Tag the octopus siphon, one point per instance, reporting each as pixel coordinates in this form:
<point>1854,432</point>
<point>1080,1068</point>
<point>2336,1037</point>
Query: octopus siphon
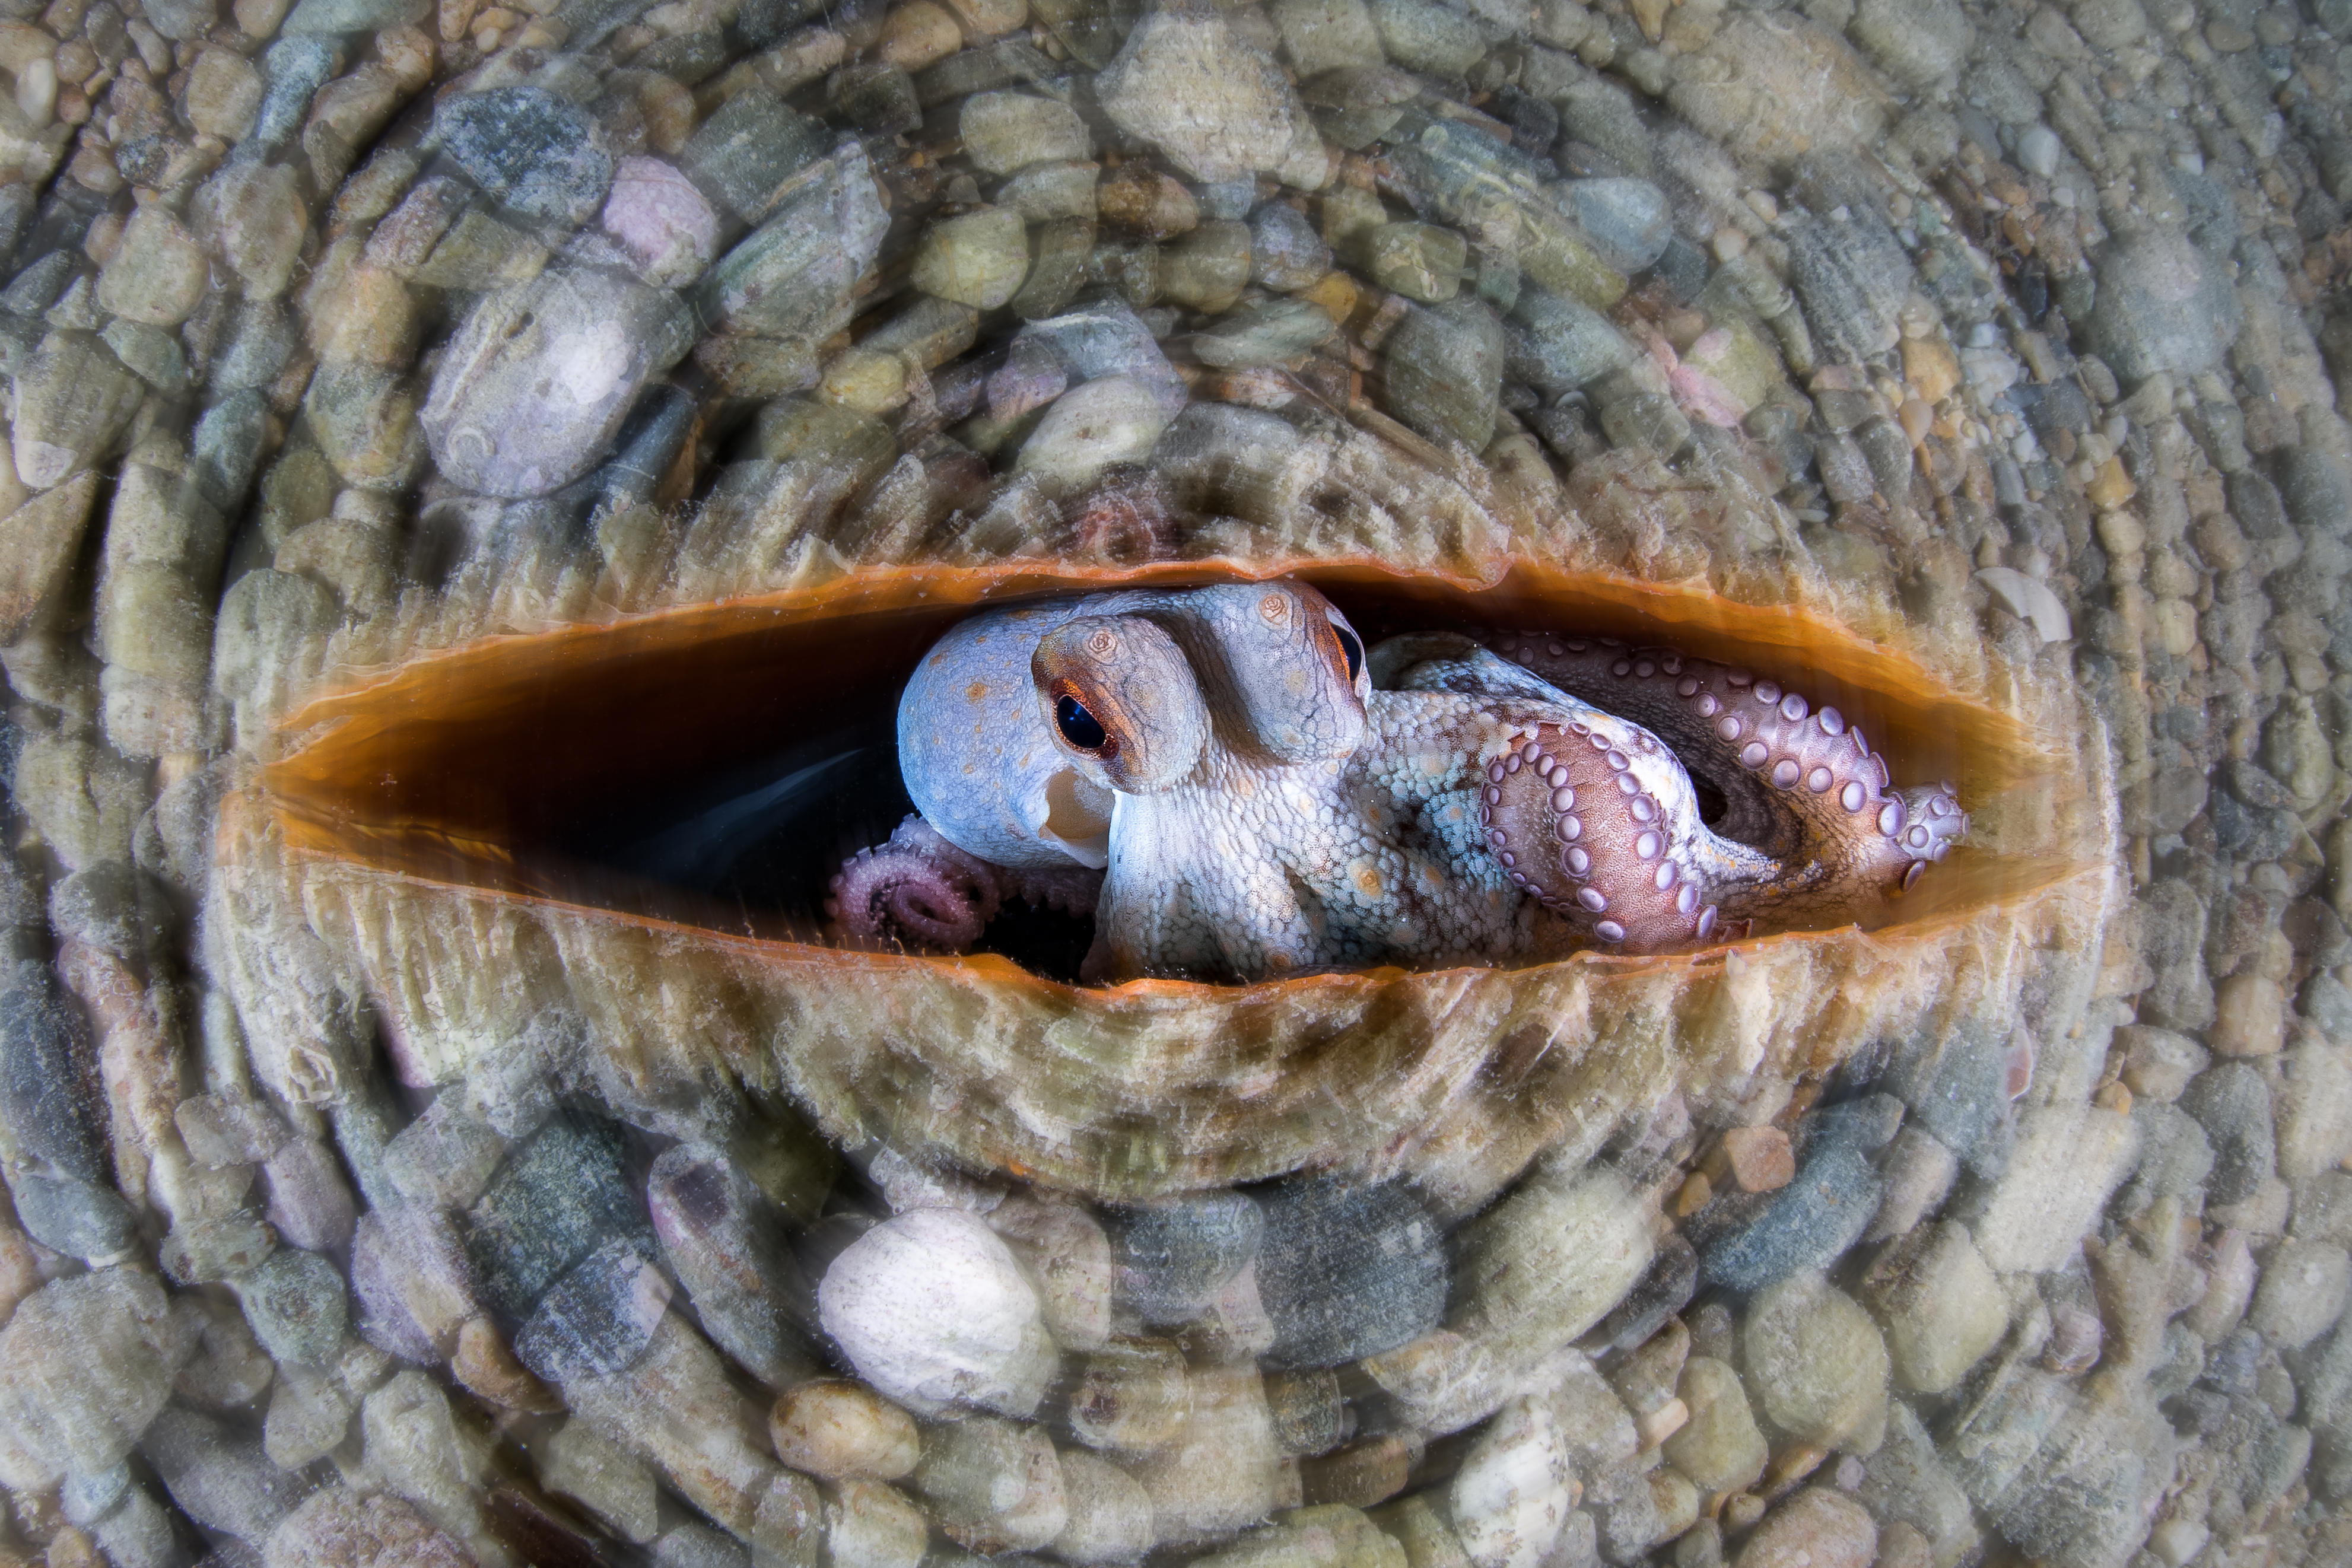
<point>1238,788</point>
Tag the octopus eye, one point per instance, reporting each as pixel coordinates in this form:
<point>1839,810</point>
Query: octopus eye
<point>1079,727</point>
<point>1353,648</point>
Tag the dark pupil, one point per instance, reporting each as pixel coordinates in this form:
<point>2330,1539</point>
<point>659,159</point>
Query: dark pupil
<point>1353,649</point>
<point>1078,727</point>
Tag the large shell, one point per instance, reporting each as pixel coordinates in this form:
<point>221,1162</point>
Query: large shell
<point>389,830</point>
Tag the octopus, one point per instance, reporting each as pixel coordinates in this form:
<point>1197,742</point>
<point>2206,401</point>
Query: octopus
<point>1237,787</point>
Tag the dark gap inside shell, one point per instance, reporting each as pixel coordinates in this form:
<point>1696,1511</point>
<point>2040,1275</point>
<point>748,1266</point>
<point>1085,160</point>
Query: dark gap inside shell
<point>712,768</point>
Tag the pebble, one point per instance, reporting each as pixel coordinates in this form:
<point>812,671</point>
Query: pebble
<point>993,1486</point>
<point>1719,1447</point>
<point>1821,1212</point>
<point>527,149</point>
<point>86,1363</point>
<point>444,1158</point>
<point>1817,1363</point>
<point>839,1430</point>
<point>725,1240</point>
<point>1943,1308</point>
<point>596,1320</point>
<point>596,336</point>
<point>1006,132</point>
<point>1271,333</point>
<point>932,1309</point>
<point>559,1197</point>
<point>1445,370</point>
<point>581,1463</point>
<point>2233,1103</point>
<point>1132,1396</point>
<point>1629,222</point>
<point>1420,261</point>
<point>221,1479</point>
<point>2068,1160</point>
<point>337,1528</point>
<point>749,155</point>
<point>1511,1498</point>
<point>294,1301</point>
<point>1286,254</point>
<point>1114,420</point>
<point>1214,104</point>
<point>1068,1255</point>
<point>2303,1288</point>
<point>1422,36</point>
<point>978,259</point>
<point>1816,1528</point>
<point>662,220</point>
<point>2162,306</point>
<point>1347,1272</point>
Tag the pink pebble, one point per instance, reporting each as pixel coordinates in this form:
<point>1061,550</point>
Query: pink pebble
<point>662,220</point>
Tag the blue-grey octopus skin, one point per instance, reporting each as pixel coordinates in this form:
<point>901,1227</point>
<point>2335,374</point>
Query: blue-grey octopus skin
<point>1263,797</point>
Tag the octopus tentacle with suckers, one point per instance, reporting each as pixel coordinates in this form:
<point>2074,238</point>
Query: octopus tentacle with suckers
<point>1263,795</point>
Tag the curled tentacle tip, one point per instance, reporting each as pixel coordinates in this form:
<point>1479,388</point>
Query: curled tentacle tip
<point>916,888</point>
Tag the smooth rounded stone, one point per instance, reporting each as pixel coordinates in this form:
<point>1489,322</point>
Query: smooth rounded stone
<point>932,1309</point>
<point>444,1158</point>
<point>527,149</point>
<point>1719,1447</point>
<point>1816,1363</point>
<point>1051,191</point>
<point>1286,253</point>
<point>50,1096</point>
<point>221,1479</point>
<point>1109,1512</point>
<point>157,273</point>
<point>540,378</point>
<point>1221,1471</point>
<point>72,399</point>
<point>871,1524</point>
<point>1207,268</point>
<point>309,1200</point>
<point>725,1240</point>
<point>1445,371</point>
<point>1943,1308</point>
<point>2162,306</point>
<point>1173,1256</point>
<point>2316,485</point>
<point>294,1301</point>
<point>1131,1395</point>
<point>355,16</point>
<point>1512,1495</point>
<point>598,1319</point>
<point>1089,428</point>
<point>662,220</point>
<point>1143,201</point>
<point>694,1546</point>
<point>2039,151</point>
<point>978,259</point>
<point>86,1363</point>
<point>1347,1271</point>
<point>1628,221</point>
<point>2068,1160</point>
<point>793,278</point>
<point>1210,101</point>
<point>1812,1220</point>
<point>2158,1062</point>
<point>308,1418</point>
<point>1913,41</point>
<point>1271,333</point>
<point>2312,1110</point>
<point>1817,1528</point>
<point>993,1485</point>
<point>838,1430</point>
<point>558,1198</point>
<point>582,1464</point>
<point>2249,1016</point>
<point>1420,261</point>
<point>1309,1413</point>
<point>413,1279</point>
<point>229,1367</point>
<point>252,216</point>
<point>2303,1288</point>
<point>1422,36</point>
<point>1006,132</point>
<point>2233,1103</point>
<point>77,1218</point>
<point>749,155</point>
<point>338,1528</point>
<point>1326,35</point>
<point>1068,1255</point>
